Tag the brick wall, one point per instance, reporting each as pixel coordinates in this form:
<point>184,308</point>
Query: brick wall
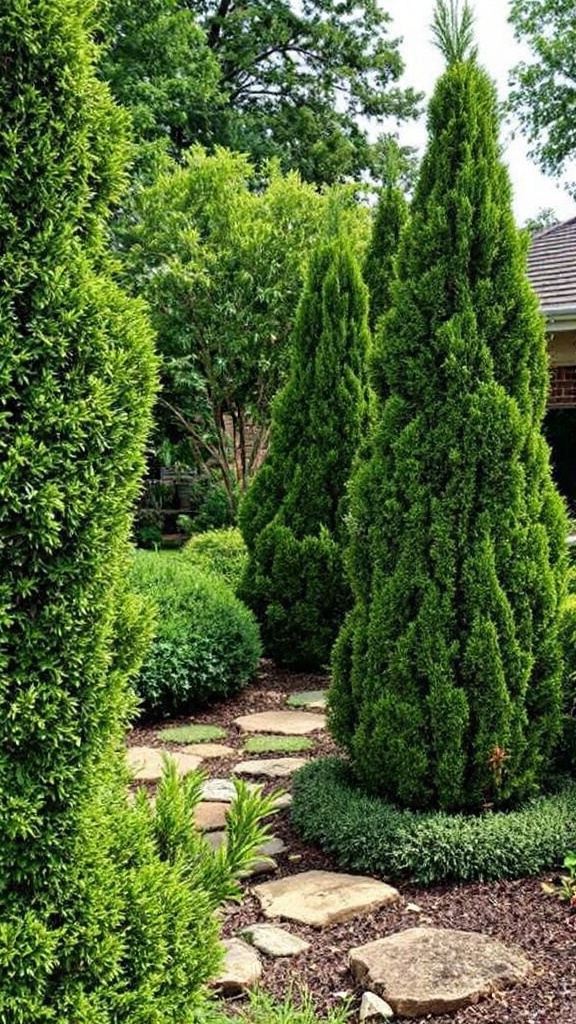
<point>562,387</point>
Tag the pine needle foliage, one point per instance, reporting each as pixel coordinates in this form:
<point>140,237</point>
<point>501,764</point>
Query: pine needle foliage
<point>453,30</point>
<point>447,673</point>
<point>292,516</point>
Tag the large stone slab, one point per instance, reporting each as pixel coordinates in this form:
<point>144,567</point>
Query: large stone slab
<point>321,898</point>
<point>274,941</point>
<point>270,767</point>
<point>146,763</point>
<point>285,723</point>
<point>314,700</point>
<point>436,970</point>
<point>242,968</point>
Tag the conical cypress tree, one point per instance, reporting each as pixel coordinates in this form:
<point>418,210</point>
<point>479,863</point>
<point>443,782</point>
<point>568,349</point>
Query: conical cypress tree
<point>447,674</point>
<point>292,517</point>
<point>390,218</point>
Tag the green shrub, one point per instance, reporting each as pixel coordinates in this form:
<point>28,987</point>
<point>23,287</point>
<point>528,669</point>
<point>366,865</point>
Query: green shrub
<point>367,835</point>
<point>220,551</point>
<point>206,645</point>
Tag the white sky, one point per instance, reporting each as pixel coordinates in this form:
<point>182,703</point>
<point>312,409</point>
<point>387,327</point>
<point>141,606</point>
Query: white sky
<point>498,52</point>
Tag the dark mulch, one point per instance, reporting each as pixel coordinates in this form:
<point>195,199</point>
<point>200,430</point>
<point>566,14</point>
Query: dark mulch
<point>516,912</point>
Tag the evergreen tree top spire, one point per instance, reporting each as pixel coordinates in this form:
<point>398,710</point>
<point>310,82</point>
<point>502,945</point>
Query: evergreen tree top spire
<point>454,30</point>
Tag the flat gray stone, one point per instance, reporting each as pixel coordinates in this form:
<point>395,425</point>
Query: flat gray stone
<point>259,866</point>
<point>315,700</point>
<point>215,839</point>
<point>284,723</point>
<point>242,968</point>
<point>436,970</point>
<point>146,763</point>
<point>373,1007</point>
<point>263,863</point>
<point>321,898</point>
<point>274,941</point>
<point>210,815</point>
<point>282,801</point>
<point>270,767</point>
<point>218,791</point>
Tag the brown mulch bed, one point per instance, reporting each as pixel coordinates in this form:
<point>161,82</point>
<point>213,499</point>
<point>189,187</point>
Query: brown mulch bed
<point>517,912</point>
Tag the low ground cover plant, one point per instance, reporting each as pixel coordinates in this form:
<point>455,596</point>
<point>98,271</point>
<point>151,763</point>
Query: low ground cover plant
<point>565,887</point>
<point>220,551</point>
<point>207,643</point>
<point>194,733</point>
<point>369,835</point>
<point>270,744</point>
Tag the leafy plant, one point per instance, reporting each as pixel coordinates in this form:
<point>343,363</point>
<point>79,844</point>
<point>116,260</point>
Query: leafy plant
<point>565,887</point>
<point>194,733</point>
<point>206,644</point>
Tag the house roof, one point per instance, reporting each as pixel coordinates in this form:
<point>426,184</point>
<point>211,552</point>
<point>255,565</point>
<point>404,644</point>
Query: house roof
<point>552,269</point>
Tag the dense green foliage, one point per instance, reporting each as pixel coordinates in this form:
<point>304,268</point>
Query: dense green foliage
<point>390,218</point>
<point>447,673</point>
<point>219,551</point>
<point>206,644</point>
<point>106,910</point>
<point>543,89</point>
<point>292,516</point>
<point>219,252</point>
<point>367,835</point>
<point>566,753</point>
<point>269,78</point>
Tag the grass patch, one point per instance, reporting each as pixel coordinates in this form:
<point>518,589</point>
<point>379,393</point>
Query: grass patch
<point>369,836</point>
<point>271,744</point>
<point>192,733</point>
<point>304,699</point>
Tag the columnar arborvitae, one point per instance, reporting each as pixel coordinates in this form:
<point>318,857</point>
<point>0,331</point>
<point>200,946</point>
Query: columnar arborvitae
<point>77,376</point>
<point>390,218</point>
<point>447,674</point>
<point>292,516</point>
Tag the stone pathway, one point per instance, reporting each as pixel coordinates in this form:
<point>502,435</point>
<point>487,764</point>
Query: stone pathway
<point>413,973</point>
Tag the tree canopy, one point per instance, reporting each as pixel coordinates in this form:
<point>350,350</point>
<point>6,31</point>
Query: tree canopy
<point>294,81</point>
<point>543,92</point>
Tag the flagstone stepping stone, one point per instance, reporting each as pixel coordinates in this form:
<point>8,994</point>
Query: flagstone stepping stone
<point>372,1006</point>
<point>282,801</point>
<point>242,968</point>
<point>263,862</point>
<point>210,815</point>
<point>436,970</point>
<point>209,750</point>
<point>313,699</point>
<point>274,941</point>
<point>287,723</point>
<point>321,898</point>
<point>270,767</point>
<point>219,790</point>
<point>146,763</point>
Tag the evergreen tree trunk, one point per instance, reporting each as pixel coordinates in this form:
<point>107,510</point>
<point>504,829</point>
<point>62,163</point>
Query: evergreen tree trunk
<point>292,515</point>
<point>447,673</point>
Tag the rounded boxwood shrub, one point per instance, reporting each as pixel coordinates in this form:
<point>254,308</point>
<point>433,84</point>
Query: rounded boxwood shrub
<point>368,835</point>
<point>207,643</point>
<point>220,551</point>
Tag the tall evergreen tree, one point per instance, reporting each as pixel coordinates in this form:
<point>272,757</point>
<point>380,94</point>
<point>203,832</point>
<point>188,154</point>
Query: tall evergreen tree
<point>106,910</point>
<point>292,517</point>
<point>447,673</point>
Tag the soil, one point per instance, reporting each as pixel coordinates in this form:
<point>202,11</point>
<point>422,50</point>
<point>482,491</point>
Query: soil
<point>516,912</point>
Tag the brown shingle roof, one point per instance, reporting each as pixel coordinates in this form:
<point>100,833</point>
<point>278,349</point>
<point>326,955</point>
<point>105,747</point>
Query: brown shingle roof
<point>552,267</point>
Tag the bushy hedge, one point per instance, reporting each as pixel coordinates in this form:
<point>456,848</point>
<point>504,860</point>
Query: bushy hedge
<point>366,834</point>
<point>566,752</point>
<point>207,643</point>
<point>220,551</point>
